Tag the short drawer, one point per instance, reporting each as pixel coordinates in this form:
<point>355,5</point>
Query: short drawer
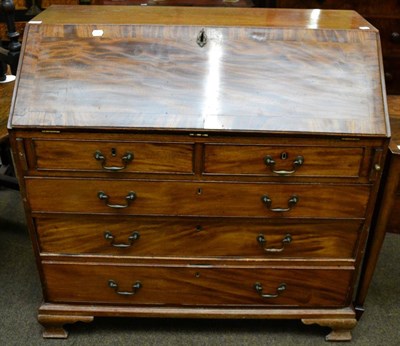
<point>264,160</point>
<point>195,286</point>
<point>173,198</point>
<point>106,156</point>
<point>196,237</point>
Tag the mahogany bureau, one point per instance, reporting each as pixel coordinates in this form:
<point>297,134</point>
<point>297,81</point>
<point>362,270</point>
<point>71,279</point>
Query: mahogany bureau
<point>197,162</point>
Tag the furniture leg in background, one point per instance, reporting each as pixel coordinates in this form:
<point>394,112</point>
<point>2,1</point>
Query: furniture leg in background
<point>9,56</point>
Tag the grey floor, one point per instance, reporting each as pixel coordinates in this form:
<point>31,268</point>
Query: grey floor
<point>20,296</point>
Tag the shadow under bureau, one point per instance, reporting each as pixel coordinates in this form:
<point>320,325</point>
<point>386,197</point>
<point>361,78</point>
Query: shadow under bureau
<point>194,162</point>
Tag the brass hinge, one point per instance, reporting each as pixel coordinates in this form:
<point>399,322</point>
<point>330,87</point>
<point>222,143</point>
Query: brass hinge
<point>350,139</point>
<point>198,134</point>
<point>51,131</point>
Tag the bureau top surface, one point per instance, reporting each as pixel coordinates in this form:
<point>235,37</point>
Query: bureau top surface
<point>222,16</point>
<point>212,69</point>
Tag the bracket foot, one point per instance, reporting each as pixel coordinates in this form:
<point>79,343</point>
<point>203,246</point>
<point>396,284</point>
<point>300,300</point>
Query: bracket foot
<point>54,324</point>
<point>341,328</point>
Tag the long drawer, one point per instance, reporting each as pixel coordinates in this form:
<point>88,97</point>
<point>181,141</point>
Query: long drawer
<point>196,237</point>
<point>197,285</point>
<point>197,198</point>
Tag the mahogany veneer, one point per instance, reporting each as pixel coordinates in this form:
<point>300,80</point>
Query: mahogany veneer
<point>383,14</point>
<point>180,162</point>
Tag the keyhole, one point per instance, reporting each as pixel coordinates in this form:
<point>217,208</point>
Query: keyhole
<point>284,155</point>
<point>202,38</point>
<point>197,274</point>
<point>113,152</point>
<point>199,191</point>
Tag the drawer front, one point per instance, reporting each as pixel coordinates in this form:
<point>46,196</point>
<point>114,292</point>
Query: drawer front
<point>197,199</point>
<point>106,156</point>
<point>149,285</point>
<point>280,160</point>
<point>195,237</point>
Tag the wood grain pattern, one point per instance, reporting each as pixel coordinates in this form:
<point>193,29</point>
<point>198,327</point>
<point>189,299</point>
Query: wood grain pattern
<point>383,14</point>
<point>193,238</point>
<point>196,286</point>
<point>78,154</point>
<point>318,161</point>
<point>147,157</point>
<point>250,17</point>
<point>213,157</point>
<point>196,199</point>
<point>286,82</point>
<point>123,75</point>
<point>56,315</point>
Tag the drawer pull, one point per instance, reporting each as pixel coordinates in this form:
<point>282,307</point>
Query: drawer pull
<point>128,157</point>
<point>112,284</point>
<point>258,287</point>
<point>109,236</point>
<point>270,162</point>
<point>262,241</point>
<point>291,203</point>
<point>129,197</point>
